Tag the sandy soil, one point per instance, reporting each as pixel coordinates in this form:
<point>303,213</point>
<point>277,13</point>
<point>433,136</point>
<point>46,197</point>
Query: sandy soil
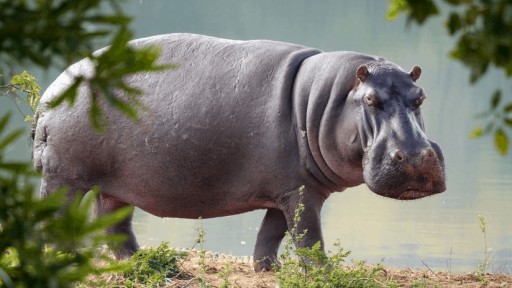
<point>243,275</point>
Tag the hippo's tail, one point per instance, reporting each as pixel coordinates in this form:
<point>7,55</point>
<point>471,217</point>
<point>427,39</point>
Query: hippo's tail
<point>34,126</point>
<point>38,135</point>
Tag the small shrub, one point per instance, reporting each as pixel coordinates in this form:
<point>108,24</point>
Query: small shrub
<point>483,267</point>
<point>224,275</point>
<point>313,268</point>
<point>420,284</point>
<point>296,272</point>
<point>45,242</point>
<point>150,267</point>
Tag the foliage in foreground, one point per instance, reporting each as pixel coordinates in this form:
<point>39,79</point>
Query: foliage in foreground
<point>57,33</point>
<point>43,243</point>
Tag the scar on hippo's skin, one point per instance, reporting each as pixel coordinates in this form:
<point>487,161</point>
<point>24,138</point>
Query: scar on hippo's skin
<point>362,73</point>
<point>415,73</point>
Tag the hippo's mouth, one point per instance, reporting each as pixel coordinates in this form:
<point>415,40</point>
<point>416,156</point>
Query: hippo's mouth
<point>412,191</point>
<point>411,194</point>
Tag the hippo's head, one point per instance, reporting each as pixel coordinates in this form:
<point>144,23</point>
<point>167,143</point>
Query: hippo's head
<point>399,160</point>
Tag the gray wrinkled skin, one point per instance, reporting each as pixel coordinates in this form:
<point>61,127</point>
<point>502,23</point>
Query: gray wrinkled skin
<point>239,126</point>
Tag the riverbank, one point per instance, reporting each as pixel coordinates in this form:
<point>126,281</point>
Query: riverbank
<point>213,270</point>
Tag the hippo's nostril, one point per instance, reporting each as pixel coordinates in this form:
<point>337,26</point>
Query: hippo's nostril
<point>427,154</point>
<point>398,155</point>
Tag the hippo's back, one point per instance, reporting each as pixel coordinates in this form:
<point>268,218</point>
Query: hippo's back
<point>219,122</point>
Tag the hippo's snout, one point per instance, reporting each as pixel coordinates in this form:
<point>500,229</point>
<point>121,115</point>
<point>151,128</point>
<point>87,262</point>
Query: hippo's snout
<point>406,174</point>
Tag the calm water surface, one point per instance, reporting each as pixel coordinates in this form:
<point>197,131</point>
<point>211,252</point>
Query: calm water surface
<point>441,232</point>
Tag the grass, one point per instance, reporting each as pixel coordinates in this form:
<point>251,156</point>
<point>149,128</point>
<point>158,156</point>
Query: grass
<point>149,267</point>
<point>304,267</point>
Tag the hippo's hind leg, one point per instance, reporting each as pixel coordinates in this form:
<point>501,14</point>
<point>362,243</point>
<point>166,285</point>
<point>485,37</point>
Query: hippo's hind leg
<point>272,231</point>
<point>106,204</point>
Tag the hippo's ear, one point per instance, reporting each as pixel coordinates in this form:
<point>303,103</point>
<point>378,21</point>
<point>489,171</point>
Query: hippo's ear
<point>362,73</point>
<point>415,73</point>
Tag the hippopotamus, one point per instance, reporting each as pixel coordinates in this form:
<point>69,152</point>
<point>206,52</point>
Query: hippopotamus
<point>238,126</point>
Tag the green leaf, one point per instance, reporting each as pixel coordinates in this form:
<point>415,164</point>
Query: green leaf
<point>26,83</point>
<point>495,99</point>
<point>501,141</point>
<point>69,94</point>
<point>395,7</point>
<point>422,10</point>
<point>125,108</point>
<point>3,121</point>
<point>96,115</point>
<point>454,23</point>
<point>476,133</point>
<point>10,138</point>
<point>16,167</point>
<point>508,121</point>
<point>108,220</point>
<point>508,108</point>
<point>471,14</point>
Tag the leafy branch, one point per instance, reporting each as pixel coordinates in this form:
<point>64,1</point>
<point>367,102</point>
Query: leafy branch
<point>25,83</point>
<point>54,32</point>
<point>43,242</point>
<point>111,67</point>
<point>500,117</point>
<point>51,242</point>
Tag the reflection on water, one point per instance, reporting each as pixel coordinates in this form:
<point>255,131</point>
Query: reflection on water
<point>441,232</point>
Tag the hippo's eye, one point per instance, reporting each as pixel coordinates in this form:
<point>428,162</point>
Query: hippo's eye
<point>419,101</point>
<point>371,100</point>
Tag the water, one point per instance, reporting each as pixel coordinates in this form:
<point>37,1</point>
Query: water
<point>441,232</point>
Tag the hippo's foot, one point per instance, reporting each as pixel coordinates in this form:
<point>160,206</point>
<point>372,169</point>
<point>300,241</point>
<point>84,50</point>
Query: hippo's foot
<point>266,264</point>
<point>124,250</point>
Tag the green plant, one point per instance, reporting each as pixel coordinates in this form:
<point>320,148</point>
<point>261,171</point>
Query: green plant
<point>330,273</point>
<point>499,115</point>
<point>51,242</point>
<point>484,266</point>
<point>56,33</point>
<point>43,242</point>
<point>24,83</point>
<point>151,267</point>
<point>224,275</point>
<point>392,284</point>
<point>200,239</point>
<point>420,284</point>
<point>313,268</point>
<point>111,66</point>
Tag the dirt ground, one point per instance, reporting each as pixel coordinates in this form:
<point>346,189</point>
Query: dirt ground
<point>243,275</point>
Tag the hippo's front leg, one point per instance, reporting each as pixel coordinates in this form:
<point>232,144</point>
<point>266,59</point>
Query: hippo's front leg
<point>309,219</point>
<point>271,233</point>
<point>277,221</point>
